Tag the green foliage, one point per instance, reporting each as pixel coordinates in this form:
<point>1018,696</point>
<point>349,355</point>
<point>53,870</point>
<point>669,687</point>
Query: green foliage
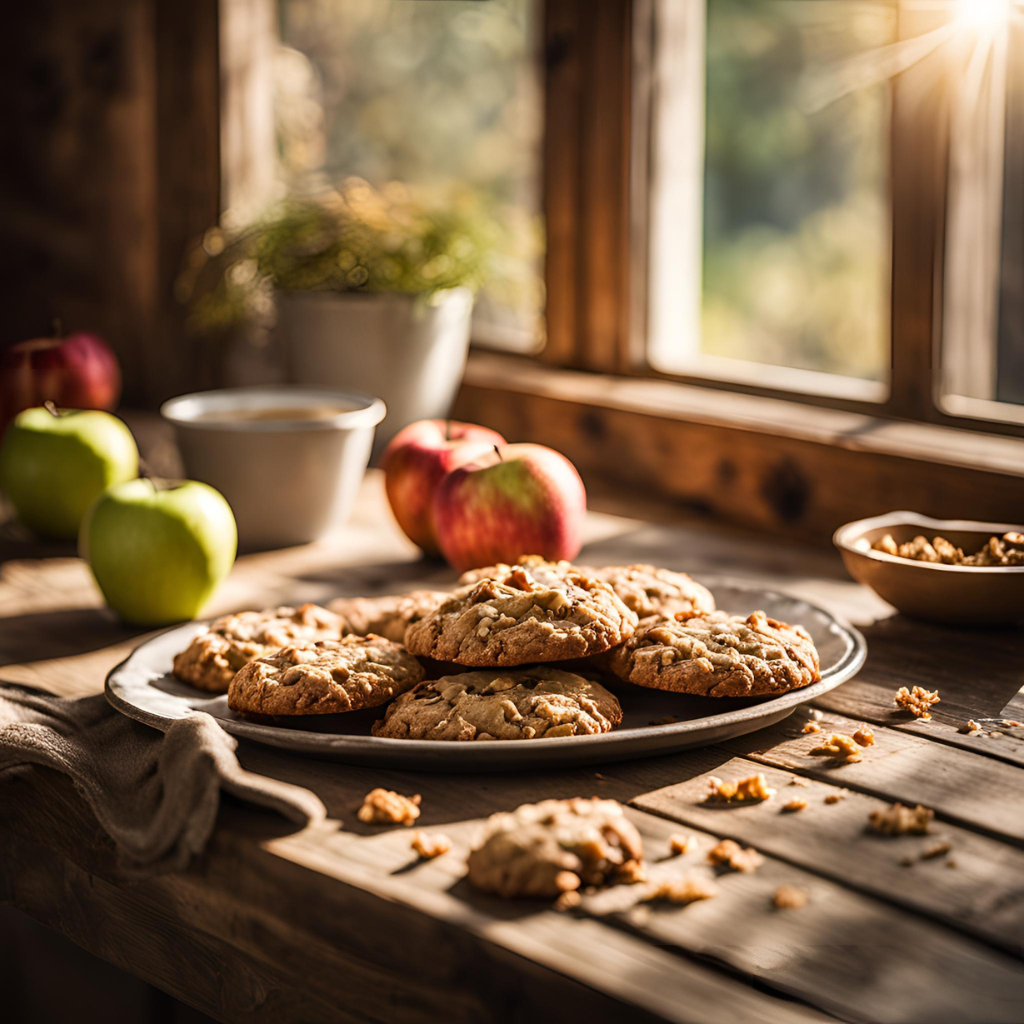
<point>354,239</point>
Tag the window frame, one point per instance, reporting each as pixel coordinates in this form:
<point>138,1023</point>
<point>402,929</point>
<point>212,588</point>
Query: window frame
<point>599,72</point>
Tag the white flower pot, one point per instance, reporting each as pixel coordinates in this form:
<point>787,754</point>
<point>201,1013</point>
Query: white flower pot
<point>408,350</point>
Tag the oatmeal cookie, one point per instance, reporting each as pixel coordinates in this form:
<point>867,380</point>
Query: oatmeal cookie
<point>718,656</point>
<point>490,704</point>
<point>231,641</point>
<point>556,846</point>
<point>387,616</point>
<point>648,590</point>
<point>537,612</point>
<point>325,677</point>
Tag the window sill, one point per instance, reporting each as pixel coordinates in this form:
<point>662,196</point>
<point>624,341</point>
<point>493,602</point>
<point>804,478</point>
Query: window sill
<point>764,462</point>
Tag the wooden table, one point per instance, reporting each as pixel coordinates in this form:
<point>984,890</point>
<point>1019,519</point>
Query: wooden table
<point>342,923</point>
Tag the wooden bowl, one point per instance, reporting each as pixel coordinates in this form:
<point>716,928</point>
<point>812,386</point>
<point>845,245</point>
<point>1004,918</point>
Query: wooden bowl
<point>954,594</point>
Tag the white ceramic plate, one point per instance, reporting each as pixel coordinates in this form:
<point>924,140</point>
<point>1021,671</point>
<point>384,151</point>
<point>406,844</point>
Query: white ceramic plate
<point>143,688</point>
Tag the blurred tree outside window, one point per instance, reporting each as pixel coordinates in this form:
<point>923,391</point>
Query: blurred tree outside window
<point>786,228</point>
<point>444,96</point>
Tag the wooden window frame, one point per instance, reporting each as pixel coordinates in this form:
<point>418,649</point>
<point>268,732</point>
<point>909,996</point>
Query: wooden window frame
<point>785,461</point>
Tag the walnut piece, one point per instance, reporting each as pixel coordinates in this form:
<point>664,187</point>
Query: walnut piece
<point>681,890</point>
<point>429,847</point>
<point>385,805</point>
<point>917,701</point>
<point>736,791</point>
<point>679,844</point>
<point>898,820</point>
<point>729,854</point>
<point>839,746</point>
<point>789,897</point>
<point>936,851</point>
<point>834,798</point>
<point>811,727</point>
<point>970,727</point>
<point>796,804</point>
<point>864,736</point>
<point>998,551</point>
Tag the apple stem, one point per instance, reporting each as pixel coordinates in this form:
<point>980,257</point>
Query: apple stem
<point>51,408</point>
<point>497,452</point>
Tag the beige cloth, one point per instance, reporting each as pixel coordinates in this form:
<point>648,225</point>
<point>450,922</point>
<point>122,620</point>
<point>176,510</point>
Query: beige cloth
<point>156,794</point>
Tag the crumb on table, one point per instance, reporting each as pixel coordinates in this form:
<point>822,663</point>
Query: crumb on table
<point>689,889</point>
<point>429,847</point>
<point>799,780</point>
<point>839,746</point>
<point>917,701</point>
<point>385,805</point>
<point>796,804</point>
<point>679,844</point>
<point>864,736</point>
<point>729,854</point>
<point>971,726</point>
<point>898,820</point>
<point>789,897</point>
<point>811,727</point>
<point>834,798</point>
<point>735,791</point>
<point>936,850</point>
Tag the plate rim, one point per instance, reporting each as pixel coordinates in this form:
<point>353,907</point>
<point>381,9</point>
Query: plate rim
<point>308,743</point>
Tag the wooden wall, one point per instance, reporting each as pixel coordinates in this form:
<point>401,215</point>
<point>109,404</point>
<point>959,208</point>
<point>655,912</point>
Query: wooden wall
<point>109,170</point>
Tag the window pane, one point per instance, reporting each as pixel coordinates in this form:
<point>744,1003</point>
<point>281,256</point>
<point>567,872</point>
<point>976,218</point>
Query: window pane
<point>784,190</point>
<point>440,94</point>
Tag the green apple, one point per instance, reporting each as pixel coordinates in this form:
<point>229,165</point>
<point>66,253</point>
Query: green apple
<point>53,466</point>
<point>158,551</point>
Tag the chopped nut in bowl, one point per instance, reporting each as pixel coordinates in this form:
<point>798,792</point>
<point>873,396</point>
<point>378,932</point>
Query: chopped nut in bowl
<point>959,572</point>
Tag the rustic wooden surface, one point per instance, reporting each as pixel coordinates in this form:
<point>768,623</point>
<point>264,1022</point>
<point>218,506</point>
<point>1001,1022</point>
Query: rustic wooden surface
<point>341,922</point>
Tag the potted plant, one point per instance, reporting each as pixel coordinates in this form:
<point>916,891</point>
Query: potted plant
<point>364,289</point>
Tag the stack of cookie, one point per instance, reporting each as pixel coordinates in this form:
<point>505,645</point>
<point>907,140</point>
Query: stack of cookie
<point>496,651</point>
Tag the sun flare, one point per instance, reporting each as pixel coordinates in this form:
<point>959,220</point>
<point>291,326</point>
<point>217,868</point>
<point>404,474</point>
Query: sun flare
<point>983,14</point>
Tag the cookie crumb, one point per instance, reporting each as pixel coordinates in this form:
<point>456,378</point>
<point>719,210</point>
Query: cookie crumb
<point>796,804</point>
<point>811,727</point>
<point>971,727</point>
<point>681,890</point>
<point>936,851</point>
<point>951,863</point>
<point>789,897</point>
<point>917,701</point>
<point>429,847</point>
<point>834,798</point>
<point>729,854</point>
<point>865,736</point>
<point>679,844</point>
<point>569,899</point>
<point>995,735</point>
<point>385,805</point>
<point>799,780</point>
<point>898,820</point>
<point>907,862</point>
<point>735,791</point>
<point>667,720</point>
<point>1009,723</point>
<point>838,746</point>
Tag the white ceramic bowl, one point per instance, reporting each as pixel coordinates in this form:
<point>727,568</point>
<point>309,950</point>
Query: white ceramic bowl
<point>288,480</point>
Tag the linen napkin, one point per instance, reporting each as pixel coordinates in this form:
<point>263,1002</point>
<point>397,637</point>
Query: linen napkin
<point>156,794</point>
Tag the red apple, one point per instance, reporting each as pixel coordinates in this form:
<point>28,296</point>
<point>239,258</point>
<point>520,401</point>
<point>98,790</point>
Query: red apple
<point>76,372</point>
<point>520,499</point>
<point>416,461</point>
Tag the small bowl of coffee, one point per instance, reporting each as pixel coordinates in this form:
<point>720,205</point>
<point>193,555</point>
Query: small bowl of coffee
<point>289,460</point>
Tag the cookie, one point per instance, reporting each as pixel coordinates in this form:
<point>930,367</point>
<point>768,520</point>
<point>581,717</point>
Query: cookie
<point>718,656</point>
<point>648,590</point>
<point>231,641</point>
<point>556,846</point>
<point>491,704</point>
<point>545,611</point>
<point>324,678</point>
<point>388,616</point>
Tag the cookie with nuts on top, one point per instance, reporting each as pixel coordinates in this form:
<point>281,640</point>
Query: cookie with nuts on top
<point>502,704</point>
<point>718,656</point>
<point>556,846</point>
<point>324,678</point>
<point>534,612</point>
<point>387,616</point>
<point>232,641</point>
<point>645,589</point>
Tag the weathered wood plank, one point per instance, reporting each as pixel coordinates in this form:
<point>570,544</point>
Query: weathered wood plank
<point>975,792</point>
<point>983,895</point>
